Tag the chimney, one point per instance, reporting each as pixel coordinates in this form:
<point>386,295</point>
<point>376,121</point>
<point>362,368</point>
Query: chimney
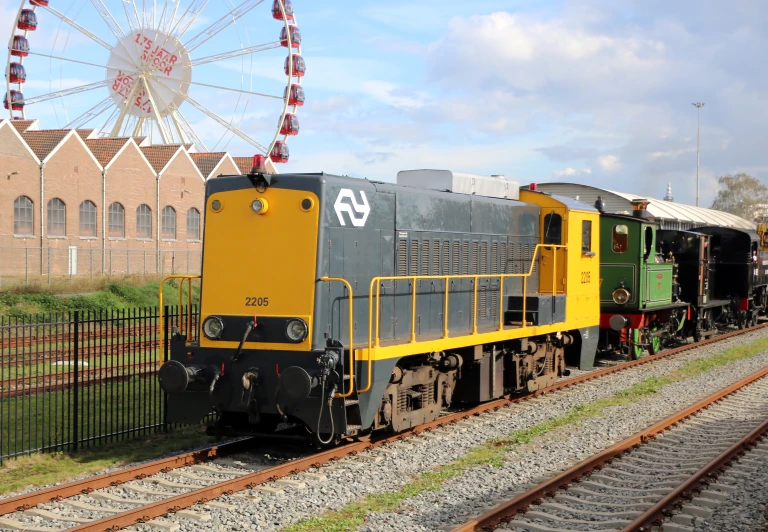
<point>640,209</point>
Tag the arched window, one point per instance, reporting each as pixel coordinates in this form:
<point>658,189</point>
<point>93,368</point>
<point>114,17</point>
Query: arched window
<point>23,216</point>
<point>193,224</point>
<point>87,218</point>
<point>116,225</point>
<point>57,218</point>
<point>169,223</point>
<point>144,222</point>
<point>553,227</point>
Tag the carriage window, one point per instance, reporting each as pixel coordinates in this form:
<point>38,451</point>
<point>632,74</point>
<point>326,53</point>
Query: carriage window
<point>553,226</point>
<point>586,236</point>
<point>620,241</point>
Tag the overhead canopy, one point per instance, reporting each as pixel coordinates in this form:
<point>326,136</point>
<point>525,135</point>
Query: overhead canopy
<point>672,215</point>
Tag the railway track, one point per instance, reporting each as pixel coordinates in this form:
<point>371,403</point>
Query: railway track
<point>159,488</point>
<point>638,483</point>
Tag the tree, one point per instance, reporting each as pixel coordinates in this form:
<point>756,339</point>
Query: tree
<point>742,195</point>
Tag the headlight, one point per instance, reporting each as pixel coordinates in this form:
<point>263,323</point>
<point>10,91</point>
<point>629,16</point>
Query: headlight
<point>620,296</point>
<point>260,206</point>
<point>213,327</point>
<point>296,330</point>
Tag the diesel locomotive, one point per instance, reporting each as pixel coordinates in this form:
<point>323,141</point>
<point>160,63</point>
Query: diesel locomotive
<point>346,305</point>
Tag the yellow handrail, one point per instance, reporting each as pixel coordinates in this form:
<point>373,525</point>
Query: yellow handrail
<point>183,278</point>
<point>373,337</point>
<point>351,339</point>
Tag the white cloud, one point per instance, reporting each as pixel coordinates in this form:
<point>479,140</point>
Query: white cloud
<point>394,95</point>
<point>568,172</point>
<point>608,162</point>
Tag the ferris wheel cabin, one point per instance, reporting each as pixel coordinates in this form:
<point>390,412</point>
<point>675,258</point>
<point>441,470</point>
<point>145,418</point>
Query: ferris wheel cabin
<point>296,95</point>
<point>27,20</point>
<point>299,66</point>
<point>295,37</point>
<point>17,101</point>
<point>277,13</point>
<point>20,46</point>
<point>18,74</point>
<point>41,3</point>
<point>290,125</point>
<point>280,153</point>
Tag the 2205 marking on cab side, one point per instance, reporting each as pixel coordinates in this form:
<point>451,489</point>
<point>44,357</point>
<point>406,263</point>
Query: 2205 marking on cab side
<point>256,301</point>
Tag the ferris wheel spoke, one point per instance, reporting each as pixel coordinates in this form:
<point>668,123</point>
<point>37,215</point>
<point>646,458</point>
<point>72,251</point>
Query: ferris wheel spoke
<point>67,59</point>
<point>90,114</point>
<point>220,24</point>
<point>182,120</point>
<point>109,20</point>
<point>187,18</point>
<point>78,27</point>
<point>124,111</point>
<point>132,15</point>
<point>203,109</point>
<point>153,107</point>
<point>66,92</point>
<point>139,126</point>
<point>218,87</point>
<point>234,53</point>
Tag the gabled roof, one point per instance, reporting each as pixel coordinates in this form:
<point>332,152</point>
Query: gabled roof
<point>207,162</point>
<point>159,155</point>
<point>42,143</point>
<point>105,149</point>
<point>85,133</point>
<point>245,164</point>
<point>23,125</point>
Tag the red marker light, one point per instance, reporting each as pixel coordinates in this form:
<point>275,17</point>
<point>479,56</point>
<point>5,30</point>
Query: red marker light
<point>259,164</point>
<point>533,186</point>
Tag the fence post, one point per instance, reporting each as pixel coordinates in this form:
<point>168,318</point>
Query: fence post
<point>76,383</point>
<point>166,357</point>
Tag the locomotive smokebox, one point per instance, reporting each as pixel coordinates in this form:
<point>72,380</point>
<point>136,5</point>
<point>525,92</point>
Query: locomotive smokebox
<point>295,383</point>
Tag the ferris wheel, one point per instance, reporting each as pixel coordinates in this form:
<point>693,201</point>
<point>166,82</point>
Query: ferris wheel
<point>205,73</point>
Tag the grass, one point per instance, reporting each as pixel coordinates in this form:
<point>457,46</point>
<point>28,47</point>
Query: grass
<point>125,294</point>
<point>49,468</point>
<point>110,362</point>
<point>494,452</point>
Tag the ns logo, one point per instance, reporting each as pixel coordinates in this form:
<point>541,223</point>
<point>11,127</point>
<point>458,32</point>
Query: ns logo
<point>346,202</point>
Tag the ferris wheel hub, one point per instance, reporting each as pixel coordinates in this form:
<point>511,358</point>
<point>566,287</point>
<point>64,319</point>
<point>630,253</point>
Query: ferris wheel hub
<point>158,63</point>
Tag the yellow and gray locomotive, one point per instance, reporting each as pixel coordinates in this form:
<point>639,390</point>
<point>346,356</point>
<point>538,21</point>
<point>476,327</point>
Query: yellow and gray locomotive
<point>348,305</point>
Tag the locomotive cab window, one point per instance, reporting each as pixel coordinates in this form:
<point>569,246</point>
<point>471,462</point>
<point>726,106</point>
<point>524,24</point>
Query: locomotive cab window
<point>553,228</point>
<point>620,241</point>
<point>586,238</point>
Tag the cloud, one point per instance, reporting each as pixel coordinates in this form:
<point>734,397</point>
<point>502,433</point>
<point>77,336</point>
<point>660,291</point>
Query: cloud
<point>569,172</point>
<point>608,162</point>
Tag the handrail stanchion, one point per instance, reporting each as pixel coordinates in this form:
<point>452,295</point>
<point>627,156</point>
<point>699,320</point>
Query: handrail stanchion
<point>351,336</point>
<point>378,312</point>
<point>474,305</point>
<point>501,302</point>
<point>445,308</point>
<point>413,309</point>
<point>161,318</point>
<point>554,274</point>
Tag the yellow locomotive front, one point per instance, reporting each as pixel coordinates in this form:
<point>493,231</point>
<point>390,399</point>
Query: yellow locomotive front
<point>344,305</point>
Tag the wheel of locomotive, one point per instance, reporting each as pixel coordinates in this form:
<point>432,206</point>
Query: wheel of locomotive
<point>635,349</point>
<point>741,320</point>
<point>175,71</point>
<point>654,344</point>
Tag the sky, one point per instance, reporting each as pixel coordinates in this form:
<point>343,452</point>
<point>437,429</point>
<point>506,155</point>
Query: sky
<point>595,92</point>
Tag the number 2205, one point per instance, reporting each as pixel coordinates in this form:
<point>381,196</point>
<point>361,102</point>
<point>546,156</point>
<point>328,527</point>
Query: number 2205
<point>256,301</point>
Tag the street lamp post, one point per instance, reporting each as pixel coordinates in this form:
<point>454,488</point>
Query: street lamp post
<point>698,106</point>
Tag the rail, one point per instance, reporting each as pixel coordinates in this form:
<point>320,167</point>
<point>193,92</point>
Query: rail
<point>161,328</point>
<point>374,339</point>
<point>351,339</point>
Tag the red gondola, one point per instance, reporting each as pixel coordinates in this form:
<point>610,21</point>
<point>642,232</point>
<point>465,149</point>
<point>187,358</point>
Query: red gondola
<point>290,125</point>
<point>38,2</point>
<point>295,37</point>
<point>296,95</point>
<point>18,74</point>
<point>20,46</point>
<point>299,66</point>
<point>17,101</point>
<point>280,152</point>
<point>277,14</point>
<point>27,20</point>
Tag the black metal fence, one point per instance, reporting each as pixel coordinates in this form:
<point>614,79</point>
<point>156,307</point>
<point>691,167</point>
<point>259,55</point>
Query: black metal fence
<point>80,379</point>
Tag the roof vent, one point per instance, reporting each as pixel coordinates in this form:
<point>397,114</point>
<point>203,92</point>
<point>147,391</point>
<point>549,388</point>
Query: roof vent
<point>495,186</point>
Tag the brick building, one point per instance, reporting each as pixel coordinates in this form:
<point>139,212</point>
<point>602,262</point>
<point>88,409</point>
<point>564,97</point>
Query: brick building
<point>73,203</point>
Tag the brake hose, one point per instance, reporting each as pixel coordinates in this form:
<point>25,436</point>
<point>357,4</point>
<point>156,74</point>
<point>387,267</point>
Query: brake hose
<point>320,415</point>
